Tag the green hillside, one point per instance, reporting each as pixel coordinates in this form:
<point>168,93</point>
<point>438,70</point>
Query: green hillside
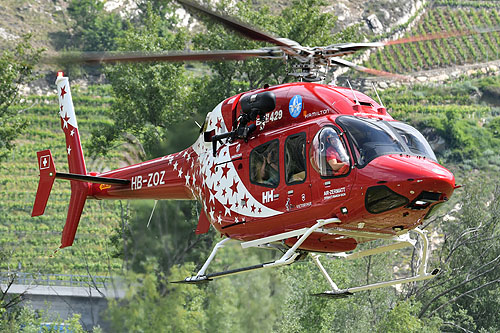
<point>32,241</point>
<point>445,16</point>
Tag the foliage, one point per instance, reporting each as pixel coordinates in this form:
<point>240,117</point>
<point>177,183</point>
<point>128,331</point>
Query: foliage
<point>466,288</point>
<point>221,306</point>
<point>168,308</point>
<point>404,318</point>
<point>167,236</point>
<point>151,96</point>
<point>95,29</point>
<point>25,319</point>
<point>16,68</point>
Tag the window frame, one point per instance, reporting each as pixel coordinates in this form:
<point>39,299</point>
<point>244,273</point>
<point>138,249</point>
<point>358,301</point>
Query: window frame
<point>344,142</point>
<point>290,137</point>
<point>250,164</point>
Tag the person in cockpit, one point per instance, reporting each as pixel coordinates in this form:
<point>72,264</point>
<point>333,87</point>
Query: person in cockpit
<point>333,152</point>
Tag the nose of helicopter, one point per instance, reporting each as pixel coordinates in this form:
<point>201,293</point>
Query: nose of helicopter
<point>419,180</point>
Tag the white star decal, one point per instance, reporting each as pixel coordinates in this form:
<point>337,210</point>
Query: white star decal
<point>187,179</point>
<point>227,210</point>
<point>72,132</point>
<point>69,150</point>
<point>180,173</point>
<point>212,197</point>
<point>175,166</point>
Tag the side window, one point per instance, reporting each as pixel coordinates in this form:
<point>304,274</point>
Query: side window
<point>295,158</point>
<point>328,154</point>
<point>264,165</point>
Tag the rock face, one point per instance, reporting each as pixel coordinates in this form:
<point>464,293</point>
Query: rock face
<point>374,24</point>
<point>375,16</point>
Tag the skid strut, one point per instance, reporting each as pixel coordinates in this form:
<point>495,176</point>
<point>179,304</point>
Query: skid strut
<point>288,257</point>
<point>335,292</point>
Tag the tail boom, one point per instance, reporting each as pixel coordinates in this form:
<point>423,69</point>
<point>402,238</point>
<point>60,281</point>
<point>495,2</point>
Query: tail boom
<point>169,177</point>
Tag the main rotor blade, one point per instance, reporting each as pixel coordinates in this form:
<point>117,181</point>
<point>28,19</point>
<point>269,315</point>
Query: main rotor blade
<point>442,35</point>
<point>372,71</point>
<point>238,26</point>
<point>119,57</point>
<point>338,50</point>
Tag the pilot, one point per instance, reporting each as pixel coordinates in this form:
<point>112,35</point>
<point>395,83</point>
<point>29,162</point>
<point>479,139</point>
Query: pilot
<point>333,154</point>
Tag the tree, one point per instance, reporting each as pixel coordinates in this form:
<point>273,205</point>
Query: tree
<point>465,293</point>
<point>403,318</point>
<point>25,319</point>
<point>166,307</point>
<point>16,69</point>
<point>95,29</point>
<point>149,96</point>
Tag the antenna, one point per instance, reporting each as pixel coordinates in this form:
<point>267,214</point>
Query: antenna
<point>376,92</point>
<point>151,216</point>
<point>355,98</point>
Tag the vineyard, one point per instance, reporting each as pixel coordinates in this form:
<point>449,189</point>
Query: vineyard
<point>31,242</point>
<point>445,15</point>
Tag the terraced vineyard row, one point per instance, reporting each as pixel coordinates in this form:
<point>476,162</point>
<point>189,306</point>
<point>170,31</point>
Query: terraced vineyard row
<point>32,241</point>
<point>434,54</point>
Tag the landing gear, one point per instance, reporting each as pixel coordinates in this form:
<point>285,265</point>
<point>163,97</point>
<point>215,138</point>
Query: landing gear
<point>401,241</point>
<point>293,254</point>
<point>288,257</point>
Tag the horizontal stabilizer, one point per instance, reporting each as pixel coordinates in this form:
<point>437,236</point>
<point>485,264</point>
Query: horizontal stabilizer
<point>92,179</point>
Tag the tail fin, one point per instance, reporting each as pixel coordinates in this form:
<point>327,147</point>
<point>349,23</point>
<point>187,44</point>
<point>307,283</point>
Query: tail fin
<point>76,162</point>
<point>47,176</point>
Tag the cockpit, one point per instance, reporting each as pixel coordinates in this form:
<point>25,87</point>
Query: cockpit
<point>370,139</point>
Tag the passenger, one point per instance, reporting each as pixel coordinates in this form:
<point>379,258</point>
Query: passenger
<point>269,170</point>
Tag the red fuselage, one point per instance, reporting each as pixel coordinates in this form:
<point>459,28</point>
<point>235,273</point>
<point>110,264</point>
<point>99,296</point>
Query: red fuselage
<point>389,180</point>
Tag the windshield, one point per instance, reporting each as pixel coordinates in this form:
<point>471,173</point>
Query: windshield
<point>371,138</point>
<point>414,140</point>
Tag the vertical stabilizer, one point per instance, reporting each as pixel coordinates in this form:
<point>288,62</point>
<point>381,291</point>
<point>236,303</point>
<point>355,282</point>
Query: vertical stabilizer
<point>76,162</point>
<point>47,177</point>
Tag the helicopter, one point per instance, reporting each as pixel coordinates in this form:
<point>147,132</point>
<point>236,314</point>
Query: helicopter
<point>302,168</point>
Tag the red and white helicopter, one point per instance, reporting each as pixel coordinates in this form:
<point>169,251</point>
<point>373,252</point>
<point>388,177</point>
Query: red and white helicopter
<point>301,167</point>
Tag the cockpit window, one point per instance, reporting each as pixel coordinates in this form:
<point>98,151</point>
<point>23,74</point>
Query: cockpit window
<point>371,138</point>
<point>328,154</point>
<point>414,140</point>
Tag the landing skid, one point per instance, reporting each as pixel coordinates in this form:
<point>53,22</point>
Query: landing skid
<point>293,254</point>
<point>289,257</point>
<point>335,292</point>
